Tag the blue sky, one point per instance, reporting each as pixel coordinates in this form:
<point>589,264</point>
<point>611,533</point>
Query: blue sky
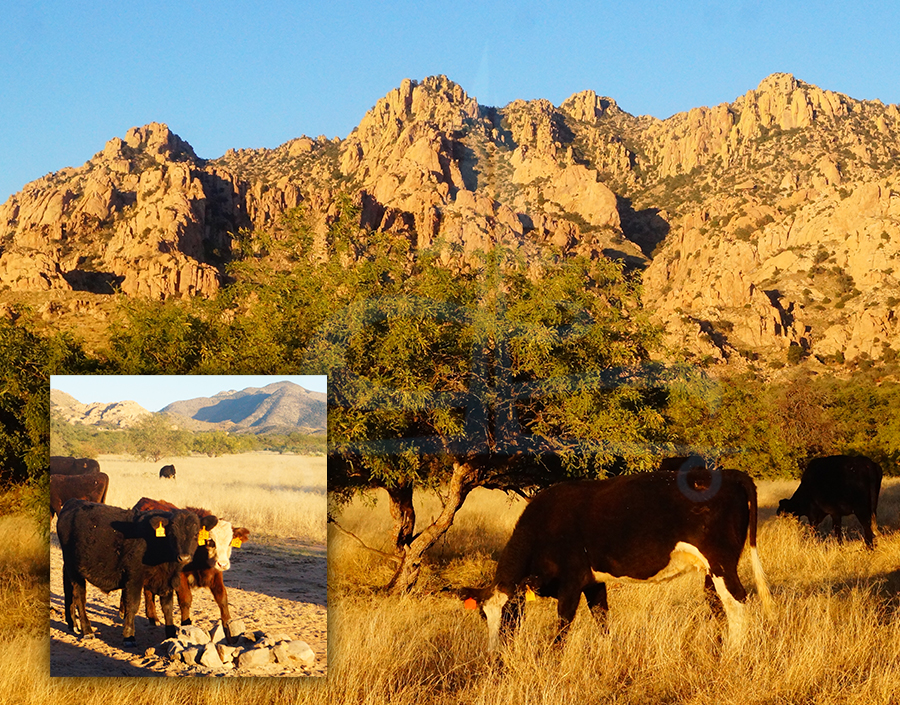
<point>153,392</point>
<point>244,74</point>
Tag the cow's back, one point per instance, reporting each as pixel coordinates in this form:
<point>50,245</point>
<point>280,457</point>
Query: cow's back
<point>93,542</point>
<point>842,481</point>
<point>614,525</point>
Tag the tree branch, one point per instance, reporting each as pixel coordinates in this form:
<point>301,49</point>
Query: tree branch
<point>389,556</point>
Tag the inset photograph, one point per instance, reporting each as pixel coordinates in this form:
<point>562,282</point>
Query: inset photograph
<point>188,535</point>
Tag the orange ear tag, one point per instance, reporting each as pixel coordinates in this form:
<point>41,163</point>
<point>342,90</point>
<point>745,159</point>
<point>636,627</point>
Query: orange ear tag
<point>236,542</point>
<point>470,604</point>
<point>160,531</point>
<point>202,537</point>
<point>529,595</point>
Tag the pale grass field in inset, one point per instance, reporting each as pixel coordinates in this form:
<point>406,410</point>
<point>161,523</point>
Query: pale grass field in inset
<point>834,636</point>
<point>269,493</point>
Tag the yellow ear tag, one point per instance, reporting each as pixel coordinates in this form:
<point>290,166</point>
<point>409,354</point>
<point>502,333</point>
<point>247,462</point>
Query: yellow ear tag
<point>529,595</point>
<point>236,542</point>
<point>202,537</point>
<point>160,531</point>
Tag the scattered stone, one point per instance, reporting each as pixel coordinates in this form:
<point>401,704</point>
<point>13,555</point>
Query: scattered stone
<point>209,657</point>
<point>189,655</point>
<point>193,635</point>
<point>253,658</point>
<point>237,627</point>
<point>217,634</point>
<point>226,653</point>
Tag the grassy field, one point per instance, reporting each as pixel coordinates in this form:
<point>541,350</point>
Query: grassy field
<point>835,636</point>
<point>270,494</point>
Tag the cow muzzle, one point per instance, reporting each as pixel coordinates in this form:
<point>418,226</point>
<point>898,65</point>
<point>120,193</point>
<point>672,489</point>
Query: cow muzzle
<point>185,558</point>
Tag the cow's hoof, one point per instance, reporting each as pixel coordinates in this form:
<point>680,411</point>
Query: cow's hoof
<point>130,642</point>
<point>185,622</point>
<point>171,631</point>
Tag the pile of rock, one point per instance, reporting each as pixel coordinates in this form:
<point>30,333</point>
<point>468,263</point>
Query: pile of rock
<point>255,649</point>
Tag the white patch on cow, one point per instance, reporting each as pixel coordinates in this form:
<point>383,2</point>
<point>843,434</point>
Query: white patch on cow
<point>221,534</point>
<point>684,558</point>
<point>734,611</point>
<point>493,611</point>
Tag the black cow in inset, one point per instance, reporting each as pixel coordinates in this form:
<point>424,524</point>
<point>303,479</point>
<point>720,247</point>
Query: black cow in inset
<point>64,465</point>
<point>167,471</point>
<point>837,486</point>
<point>574,537</point>
<point>115,549</point>
<point>91,486</point>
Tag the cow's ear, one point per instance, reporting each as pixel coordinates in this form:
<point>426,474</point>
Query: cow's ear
<point>471,597</point>
<point>159,525</point>
<point>209,521</point>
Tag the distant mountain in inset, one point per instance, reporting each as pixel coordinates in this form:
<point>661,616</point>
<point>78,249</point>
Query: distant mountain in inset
<point>277,407</point>
<point>118,414</point>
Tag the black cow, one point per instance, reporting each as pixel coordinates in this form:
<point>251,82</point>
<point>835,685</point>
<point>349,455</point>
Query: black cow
<point>837,486</point>
<point>115,549</point>
<point>167,471</point>
<point>91,486</point>
<point>64,465</point>
<point>574,537</point>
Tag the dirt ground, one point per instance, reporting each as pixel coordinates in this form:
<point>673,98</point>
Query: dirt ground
<point>278,587</point>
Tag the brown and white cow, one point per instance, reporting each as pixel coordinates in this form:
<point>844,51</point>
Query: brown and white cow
<point>91,487</point>
<point>575,537</point>
<point>837,486</point>
<point>205,569</point>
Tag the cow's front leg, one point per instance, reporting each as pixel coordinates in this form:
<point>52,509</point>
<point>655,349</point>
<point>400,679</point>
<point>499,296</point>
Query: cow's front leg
<point>837,527</point>
<point>167,600</point>
<point>595,594</point>
<point>566,606</point>
<point>150,606</point>
<point>132,597</point>
<point>185,598</point>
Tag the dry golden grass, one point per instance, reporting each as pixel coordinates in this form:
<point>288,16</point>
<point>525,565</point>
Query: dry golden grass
<point>270,494</point>
<point>834,637</point>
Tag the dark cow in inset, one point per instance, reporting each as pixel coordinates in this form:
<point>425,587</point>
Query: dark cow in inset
<point>575,537</point>
<point>64,465</point>
<point>121,549</point>
<point>210,560</point>
<point>167,471</point>
<point>837,486</point>
<point>91,486</point>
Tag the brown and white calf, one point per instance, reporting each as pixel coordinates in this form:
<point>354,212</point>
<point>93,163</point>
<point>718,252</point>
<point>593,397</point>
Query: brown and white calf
<point>575,537</point>
<point>205,569</point>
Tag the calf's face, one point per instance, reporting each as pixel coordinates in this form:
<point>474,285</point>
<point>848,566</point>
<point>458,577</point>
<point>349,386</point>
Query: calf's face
<point>180,530</point>
<point>219,545</point>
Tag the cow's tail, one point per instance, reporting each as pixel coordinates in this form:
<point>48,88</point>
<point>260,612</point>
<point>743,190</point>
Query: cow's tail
<point>875,489</point>
<point>759,576</point>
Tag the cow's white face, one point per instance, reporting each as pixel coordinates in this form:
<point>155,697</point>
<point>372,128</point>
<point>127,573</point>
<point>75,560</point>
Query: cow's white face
<point>221,536</point>
<point>493,612</point>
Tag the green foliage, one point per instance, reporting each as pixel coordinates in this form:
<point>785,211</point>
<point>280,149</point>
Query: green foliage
<point>26,361</point>
<point>156,436</point>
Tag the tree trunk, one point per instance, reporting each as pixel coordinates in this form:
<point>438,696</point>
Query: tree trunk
<point>461,483</point>
<point>403,514</point>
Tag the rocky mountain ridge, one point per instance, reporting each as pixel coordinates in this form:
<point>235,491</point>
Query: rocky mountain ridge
<point>762,225</point>
<point>281,407</point>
